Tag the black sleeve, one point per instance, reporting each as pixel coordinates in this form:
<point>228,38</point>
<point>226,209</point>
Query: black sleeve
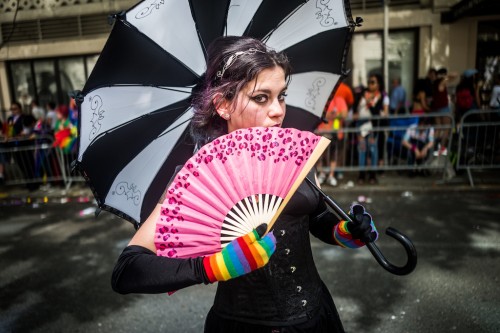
<point>322,223</point>
<point>139,270</point>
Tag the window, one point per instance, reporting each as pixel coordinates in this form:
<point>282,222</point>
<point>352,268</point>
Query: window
<point>22,83</point>
<point>48,80</point>
<point>367,53</point>
<point>487,57</point>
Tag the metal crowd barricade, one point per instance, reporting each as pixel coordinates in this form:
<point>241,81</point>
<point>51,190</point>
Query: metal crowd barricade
<point>389,132</point>
<point>31,161</point>
<point>479,141</point>
<point>34,162</point>
<point>70,176</point>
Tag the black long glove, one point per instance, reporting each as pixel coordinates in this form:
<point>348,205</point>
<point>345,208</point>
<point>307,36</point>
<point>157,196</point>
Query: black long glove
<point>330,229</point>
<point>362,226</point>
<point>139,270</point>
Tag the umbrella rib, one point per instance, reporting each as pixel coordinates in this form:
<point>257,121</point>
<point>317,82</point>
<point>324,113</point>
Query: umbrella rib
<point>145,115</point>
<point>182,123</point>
<point>138,85</point>
<point>266,37</point>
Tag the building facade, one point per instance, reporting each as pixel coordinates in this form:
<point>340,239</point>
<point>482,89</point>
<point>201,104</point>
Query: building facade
<point>49,47</point>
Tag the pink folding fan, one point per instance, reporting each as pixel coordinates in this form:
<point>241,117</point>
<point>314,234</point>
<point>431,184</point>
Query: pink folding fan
<point>232,185</point>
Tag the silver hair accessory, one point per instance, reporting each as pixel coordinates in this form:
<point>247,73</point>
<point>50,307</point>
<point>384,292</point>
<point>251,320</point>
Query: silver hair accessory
<point>232,58</point>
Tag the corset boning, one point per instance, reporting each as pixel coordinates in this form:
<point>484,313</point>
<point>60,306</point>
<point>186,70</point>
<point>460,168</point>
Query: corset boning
<point>287,289</point>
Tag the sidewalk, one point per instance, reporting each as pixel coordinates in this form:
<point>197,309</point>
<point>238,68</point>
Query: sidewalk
<point>388,181</point>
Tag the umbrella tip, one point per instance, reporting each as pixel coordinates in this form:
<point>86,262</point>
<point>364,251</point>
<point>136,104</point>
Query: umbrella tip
<point>112,18</point>
<point>77,95</point>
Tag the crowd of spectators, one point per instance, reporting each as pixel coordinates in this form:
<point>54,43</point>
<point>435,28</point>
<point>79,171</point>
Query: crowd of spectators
<point>426,114</point>
<point>50,125</point>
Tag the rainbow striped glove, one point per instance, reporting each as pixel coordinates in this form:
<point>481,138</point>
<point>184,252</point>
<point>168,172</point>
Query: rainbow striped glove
<point>241,256</point>
<point>358,232</point>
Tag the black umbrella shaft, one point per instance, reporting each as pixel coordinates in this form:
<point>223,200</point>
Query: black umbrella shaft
<point>411,252</point>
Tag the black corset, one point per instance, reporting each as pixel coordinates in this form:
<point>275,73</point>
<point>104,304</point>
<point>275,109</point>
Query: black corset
<point>287,290</point>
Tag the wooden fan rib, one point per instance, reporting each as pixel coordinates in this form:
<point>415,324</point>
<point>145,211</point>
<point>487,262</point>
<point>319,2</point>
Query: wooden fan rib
<point>273,207</point>
<point>237,215</point>
<point>315,155</point>
<point>230,225</point>
<point>236,221</point>
<point>252,213</point>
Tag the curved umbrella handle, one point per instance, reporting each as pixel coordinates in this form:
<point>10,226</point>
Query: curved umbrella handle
<point>411,251</point>
<point>411,254</point>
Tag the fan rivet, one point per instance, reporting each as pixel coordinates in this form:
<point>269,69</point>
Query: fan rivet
<point>299,289</point>
<point>293,268</point>
<point>287,251</point>
<point>282,232</point>
<point>304,302</point>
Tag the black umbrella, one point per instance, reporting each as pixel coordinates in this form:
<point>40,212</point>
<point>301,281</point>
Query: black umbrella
<point>135,106</point>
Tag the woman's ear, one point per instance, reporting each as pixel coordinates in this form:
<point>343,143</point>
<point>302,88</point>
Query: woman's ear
<point>221,104</point>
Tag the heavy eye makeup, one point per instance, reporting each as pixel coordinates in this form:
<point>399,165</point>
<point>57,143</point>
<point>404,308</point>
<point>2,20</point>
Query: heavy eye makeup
<point>263,98</point>
<point>260,98</point>
<point>282,96</point>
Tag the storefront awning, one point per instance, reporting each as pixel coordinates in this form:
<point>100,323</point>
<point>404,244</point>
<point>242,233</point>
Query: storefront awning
<point>470,8</point>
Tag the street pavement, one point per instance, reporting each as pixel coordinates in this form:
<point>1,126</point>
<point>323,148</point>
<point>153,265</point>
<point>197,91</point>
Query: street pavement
<point>56,260</point>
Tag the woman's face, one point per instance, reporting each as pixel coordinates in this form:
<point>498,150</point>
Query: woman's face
<point>373,83</point>
<point>260,103</point>
<point>14,108</point>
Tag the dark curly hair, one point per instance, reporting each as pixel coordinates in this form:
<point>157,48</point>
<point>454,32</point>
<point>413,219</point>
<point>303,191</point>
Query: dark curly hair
<point>206,124</point>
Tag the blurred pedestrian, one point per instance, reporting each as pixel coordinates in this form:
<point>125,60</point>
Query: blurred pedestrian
<point>51,116</point>
<point>440,105</point>
<point>336,113</point>
<point>465,94</point>
<point>15,120</point>
<point>20,127</point>
<point>64,132</point>
<point>374,102</point>
<point>73,112</point>
<point>346,93</point>
<point>429,84</point>
<point>495,92</point>
<point>419,140</point>
<point>397,102</point>
<point>41,127</point>
<point>419,100</point>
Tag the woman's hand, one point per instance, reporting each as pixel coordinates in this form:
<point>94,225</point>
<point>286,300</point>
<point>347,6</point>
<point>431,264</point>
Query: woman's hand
<point>358,232</point>
<point>243,255</point>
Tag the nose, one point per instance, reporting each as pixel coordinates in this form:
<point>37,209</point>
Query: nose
<point>276,109</point>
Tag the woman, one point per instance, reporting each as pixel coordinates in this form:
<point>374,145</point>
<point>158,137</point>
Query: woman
<point>244,86</point>
<point>15,120</point>
<point>465,95</point>
<point>336,112</point>
<point>440,105</point>
<point>374,102</point>
<point>64,131</point>
<point>420,98</point>
<point>495,92</point>
<point>419,140</point>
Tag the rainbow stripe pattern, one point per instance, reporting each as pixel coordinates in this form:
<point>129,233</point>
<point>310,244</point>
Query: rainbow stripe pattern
<point>240,256</point>
<point>343,236</point>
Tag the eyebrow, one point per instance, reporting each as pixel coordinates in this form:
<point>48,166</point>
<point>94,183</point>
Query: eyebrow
<point>268,91</point>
